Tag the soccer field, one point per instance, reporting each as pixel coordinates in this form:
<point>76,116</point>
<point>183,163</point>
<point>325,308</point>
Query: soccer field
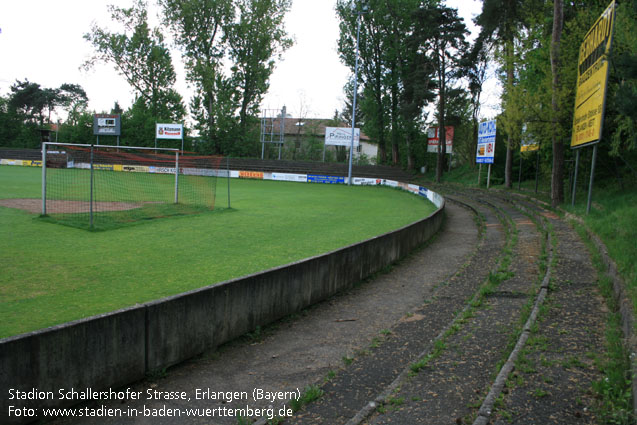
<point>50,274</point>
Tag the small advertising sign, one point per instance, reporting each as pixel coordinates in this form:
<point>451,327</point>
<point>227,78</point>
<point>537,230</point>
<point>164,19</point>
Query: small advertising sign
<point>486,142</point>
<point>251,175</point>
<point>341,136</point>
<point>528,144</point>
<point>169,131</point>
<point>433,139</point>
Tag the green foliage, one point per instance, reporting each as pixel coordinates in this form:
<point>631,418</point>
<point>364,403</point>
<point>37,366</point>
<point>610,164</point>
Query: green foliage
<point>254,40</point>
<point>310,393</point>
<point>408,51</point>
<point>247,34</point>
<point>142,58</point>
<point>624,58</point>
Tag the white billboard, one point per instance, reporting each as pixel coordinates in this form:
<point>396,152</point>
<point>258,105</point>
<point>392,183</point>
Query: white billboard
<point>341,136</point>
<point>169,131</point>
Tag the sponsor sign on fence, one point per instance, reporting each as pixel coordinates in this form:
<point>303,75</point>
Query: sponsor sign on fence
<point>364,181</point>
<point>251,175</point>
<point>289,177</point>
<point>314,178</point>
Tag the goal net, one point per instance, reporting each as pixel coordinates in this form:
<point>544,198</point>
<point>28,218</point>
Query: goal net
<point>101,187</point>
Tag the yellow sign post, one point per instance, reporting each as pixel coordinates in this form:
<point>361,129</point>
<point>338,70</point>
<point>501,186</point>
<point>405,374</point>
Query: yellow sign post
<point>590,97</point>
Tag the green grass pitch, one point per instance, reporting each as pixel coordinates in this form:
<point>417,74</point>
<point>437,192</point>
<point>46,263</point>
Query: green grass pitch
<point>51,274</point>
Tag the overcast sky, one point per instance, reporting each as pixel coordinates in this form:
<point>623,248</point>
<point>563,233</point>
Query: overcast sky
<point>41,40</point>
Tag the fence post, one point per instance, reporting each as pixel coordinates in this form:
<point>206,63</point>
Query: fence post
<point>44,178</point>
<point>176,177</point>
<point>90,208</point>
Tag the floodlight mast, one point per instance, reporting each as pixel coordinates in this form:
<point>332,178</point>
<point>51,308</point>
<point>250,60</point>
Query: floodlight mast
<point>363,9</point>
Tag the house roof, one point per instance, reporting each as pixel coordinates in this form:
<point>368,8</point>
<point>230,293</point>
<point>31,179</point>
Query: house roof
<point>308,126</point>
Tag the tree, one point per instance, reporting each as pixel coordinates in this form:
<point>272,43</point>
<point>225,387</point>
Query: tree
<point>28,100</point>
<point>394,80</point>
<point>254,41</point>
<point>557,175</point>
<point>197,27</point>
<point>442,34</point>
<point>74,99</point>
<point>372,72</point>
<point>624,60</point>
<point>141,57</point>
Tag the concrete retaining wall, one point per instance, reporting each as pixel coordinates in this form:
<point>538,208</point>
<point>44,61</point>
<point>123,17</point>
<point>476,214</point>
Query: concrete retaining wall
<point>107,351</point>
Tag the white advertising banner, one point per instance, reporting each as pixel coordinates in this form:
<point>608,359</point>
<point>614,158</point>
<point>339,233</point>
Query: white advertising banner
<point>169,131</point>
<point>341,136</point>
<point>290,177</point>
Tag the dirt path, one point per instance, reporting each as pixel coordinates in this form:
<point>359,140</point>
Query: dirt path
<point>317,343</point>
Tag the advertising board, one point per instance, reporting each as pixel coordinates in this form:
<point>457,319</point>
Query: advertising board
<point>169,131</point>
<point>486,142</point>
<point>433,139</point>
<point>592,78</point>
<point>251,175</point>
<point>341,136</point>
<point>315,178</point>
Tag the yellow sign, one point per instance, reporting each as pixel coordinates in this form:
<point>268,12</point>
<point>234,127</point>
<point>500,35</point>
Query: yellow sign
<point>530,147</point>
<point>592,76</point>
<point>528,143</point>
<point>251,175</point>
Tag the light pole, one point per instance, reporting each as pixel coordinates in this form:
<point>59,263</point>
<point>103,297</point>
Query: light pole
<point>361,10</point>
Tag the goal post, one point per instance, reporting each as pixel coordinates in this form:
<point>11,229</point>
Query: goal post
<point>101,186</point>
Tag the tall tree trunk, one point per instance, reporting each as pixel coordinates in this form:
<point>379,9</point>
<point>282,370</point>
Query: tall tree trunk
<point>508,170</point>
<point>557,174</point>
<point>442,133</point>
<point>378,94</point>
<point>380,125</point>
<point>394,123</point>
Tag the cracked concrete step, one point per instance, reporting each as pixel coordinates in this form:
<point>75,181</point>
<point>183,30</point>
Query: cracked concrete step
<point>375,369</point>
<point>452,384</point>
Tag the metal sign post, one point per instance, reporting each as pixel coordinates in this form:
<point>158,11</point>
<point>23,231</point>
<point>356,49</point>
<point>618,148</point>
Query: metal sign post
<point>575,177</point>
<point>520,174</point>
<point>537,169</point>
<point>489,176</point>
<point>590,186</point>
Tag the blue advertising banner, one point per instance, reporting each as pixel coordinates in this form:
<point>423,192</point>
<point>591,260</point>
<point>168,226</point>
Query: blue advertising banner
<point>313,178</point>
